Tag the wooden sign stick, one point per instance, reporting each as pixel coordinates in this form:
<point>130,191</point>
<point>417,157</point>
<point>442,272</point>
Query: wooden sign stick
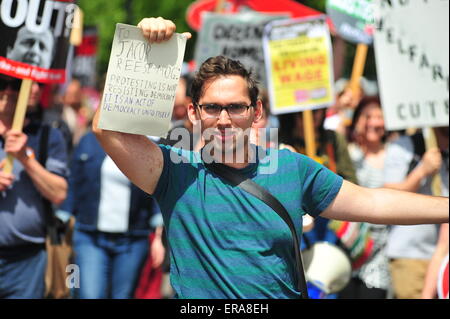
<point>76,35</point>
<point>430,142</point>
<point>358,66</point>
<point>19,117</point>
<point>308,130</point>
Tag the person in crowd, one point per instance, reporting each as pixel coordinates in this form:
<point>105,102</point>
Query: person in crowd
<point>367,137</point>
<point>331,146</point>
<point>181,95</point>
<point>113,221</point>
<point>410,167</point>
<point>264,131</point>
<point>35,48</point>
<point>331,152</point>
<point>153,280</point>
<point>73,111</point>
<point>22,213</point>
<point>225,243</point>
<point>47,116</point>
<point>182,133</point>
<point>339,115</point>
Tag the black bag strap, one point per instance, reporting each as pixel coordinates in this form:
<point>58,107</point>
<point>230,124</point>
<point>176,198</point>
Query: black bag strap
<point>251,187</point>
<point>50,220</point>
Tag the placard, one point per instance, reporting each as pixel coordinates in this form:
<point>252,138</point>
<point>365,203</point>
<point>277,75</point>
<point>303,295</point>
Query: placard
<point>35,38</point>
<point>141,81</point>
<point>412,50</point>
<point>237,36</point>
<point>353,19</point>
<point>298,57</point>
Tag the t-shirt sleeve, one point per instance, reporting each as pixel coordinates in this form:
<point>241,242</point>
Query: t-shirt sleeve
<point>164,180</point>
<point>320,186</point>
<point>177,174</point>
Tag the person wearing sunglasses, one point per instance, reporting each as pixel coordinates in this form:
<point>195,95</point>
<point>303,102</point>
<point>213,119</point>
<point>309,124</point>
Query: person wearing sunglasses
<point>226,242</point>
<point>22,226</point>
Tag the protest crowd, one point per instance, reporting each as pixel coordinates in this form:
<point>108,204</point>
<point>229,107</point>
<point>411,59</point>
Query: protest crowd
<point>88,211</point>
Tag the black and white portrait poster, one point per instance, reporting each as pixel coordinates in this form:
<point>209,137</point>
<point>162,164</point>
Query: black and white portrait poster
<point>35,38</point>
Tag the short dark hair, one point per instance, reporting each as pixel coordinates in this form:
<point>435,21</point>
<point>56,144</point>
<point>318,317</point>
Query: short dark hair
<point>219,66</point>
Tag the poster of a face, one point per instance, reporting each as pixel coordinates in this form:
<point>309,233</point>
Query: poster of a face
<point>237,36</point>
<point>32,48</point>
<point>35,38</point>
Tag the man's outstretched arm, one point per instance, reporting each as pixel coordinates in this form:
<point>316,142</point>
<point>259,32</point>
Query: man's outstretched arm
<point>386,206</point>
<point>138,158</point>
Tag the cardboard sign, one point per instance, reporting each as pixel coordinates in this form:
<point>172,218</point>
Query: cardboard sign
<point>237,36</point>
<point>353,19</point>
<point>299,64</point>
<point>141,82</point>
<point>35,38</point>
<point>412,62</point>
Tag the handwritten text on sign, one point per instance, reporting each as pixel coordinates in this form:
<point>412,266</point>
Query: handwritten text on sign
<point>141,82</point>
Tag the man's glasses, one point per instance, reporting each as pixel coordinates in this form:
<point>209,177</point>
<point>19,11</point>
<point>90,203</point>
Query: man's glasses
<point>14,84</point>
<point>234,110</point>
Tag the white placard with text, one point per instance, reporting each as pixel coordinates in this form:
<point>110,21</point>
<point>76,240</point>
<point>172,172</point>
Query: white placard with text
<point>141,82</point>
<point>412,55</point>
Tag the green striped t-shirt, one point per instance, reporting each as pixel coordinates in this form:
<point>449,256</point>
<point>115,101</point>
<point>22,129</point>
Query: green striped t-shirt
<point>226,243</point>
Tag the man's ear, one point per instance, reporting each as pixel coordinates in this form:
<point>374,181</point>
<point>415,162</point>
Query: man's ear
<point>258,111</point>
<point>193,114</point>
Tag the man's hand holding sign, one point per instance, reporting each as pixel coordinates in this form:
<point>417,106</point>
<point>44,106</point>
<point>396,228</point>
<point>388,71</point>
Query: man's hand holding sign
<point>162,30</point>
